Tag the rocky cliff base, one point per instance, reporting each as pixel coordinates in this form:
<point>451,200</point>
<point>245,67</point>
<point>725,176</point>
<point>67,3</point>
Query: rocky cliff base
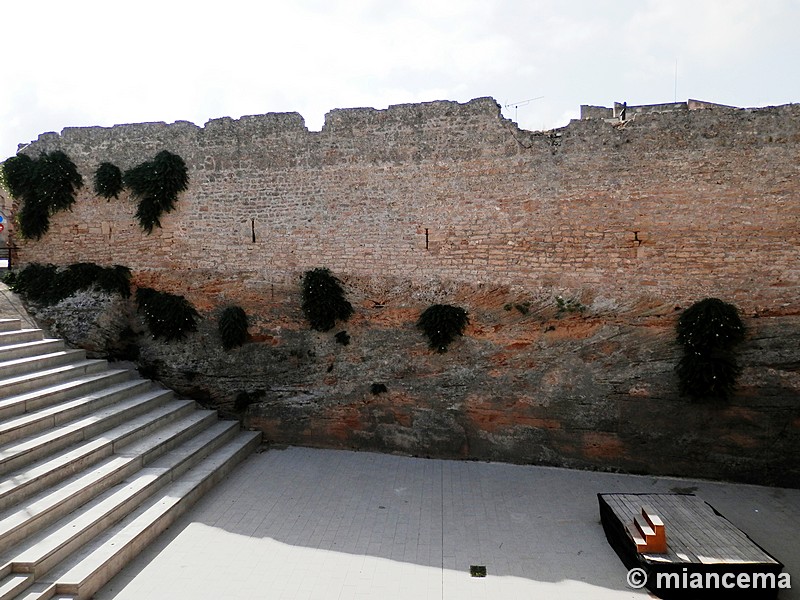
<point>575,382</point>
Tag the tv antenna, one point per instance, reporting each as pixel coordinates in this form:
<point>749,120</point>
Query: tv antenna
<point>516,105</point>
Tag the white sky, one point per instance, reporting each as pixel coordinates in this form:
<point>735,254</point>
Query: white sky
<point>68,63</point>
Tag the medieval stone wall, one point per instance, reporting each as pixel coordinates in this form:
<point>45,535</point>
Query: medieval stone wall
<point>675,205</point>
<point>451,202</point>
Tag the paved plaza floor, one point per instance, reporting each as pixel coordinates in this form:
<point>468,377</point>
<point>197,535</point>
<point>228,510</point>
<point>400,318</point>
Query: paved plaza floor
<point>301,524</point>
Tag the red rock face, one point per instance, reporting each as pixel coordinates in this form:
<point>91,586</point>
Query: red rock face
<point>583,390</point>
<point>599,395</point>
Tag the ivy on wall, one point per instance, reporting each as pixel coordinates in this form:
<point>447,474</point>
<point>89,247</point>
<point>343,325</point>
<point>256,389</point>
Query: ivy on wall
<point>442,323</point>
<point>48,184</point>
<point>708,331</point>
<point>47,284</point>
<point>108,181</point>
<point>233,325</point>
<point>157,184</point>
<point>44,186</point>
<point>168,316</point>
<point>323,300</point>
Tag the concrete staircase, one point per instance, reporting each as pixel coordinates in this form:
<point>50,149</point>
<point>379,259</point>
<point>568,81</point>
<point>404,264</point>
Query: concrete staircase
<point>94,464</point>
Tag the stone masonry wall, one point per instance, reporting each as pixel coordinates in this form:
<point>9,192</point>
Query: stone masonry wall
<point>450,202</point>
<point>675,205</point>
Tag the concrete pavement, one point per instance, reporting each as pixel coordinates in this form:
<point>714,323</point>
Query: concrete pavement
<point>301,524</point>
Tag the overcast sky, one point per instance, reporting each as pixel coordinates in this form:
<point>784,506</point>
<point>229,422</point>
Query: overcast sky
<point>84,62</point>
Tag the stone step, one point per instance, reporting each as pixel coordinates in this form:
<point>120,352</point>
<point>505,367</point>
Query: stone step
<point>40,591</point>
<point>10,324</point>
<point>39,552</point>
<point>42,362</point>
<point>43,346</point>
<point>19,336</point>
<point>33,381</point>
<point>94,464</point>
<point>197,448</point>
<point>30,516</point>
<point>39,398</point>
<point>15,583</point>
<point>23,452</point>
<point>46,549</point>
<point>35,513</point>
<point>137,439</point>
<point>170,435</point>
<point>58,414</point>
<point>81,575</point>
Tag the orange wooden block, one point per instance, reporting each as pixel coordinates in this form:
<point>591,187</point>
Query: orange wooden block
<point>637,537</point>
<point>653,530</point>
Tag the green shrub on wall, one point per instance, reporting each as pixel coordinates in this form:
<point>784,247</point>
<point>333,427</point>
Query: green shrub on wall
<point>708,331</point>
<point>568,306</point>
<point>233,327</point>
<point>323,300</point>
<point>43,186</point>
<point>115,279</point>
<point>47,284</point>
<point>108,181</point>
<point>33,216</point>
<point>81,276</point>
<point>57,180</point>
<point>18,175</point>
<point>168,316</point>
<point>35,283</point>
<point>442,323</point>
<point>157,184</point>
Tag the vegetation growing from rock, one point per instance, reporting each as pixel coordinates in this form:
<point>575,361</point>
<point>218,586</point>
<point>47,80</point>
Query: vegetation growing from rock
<point>708,331</point>
<point>108,181</point>
<point>442,323</point>
<point>18,175</point>
<point>168,316</point>
<point>157,184</point>
<point>233,325</point>
<point>81,276</point>
<point>35,283</point>
<point>324,302</point>
<point>568,305</point>
<point>523,307</point>
<point>47,284</point>
<point>43,186</point>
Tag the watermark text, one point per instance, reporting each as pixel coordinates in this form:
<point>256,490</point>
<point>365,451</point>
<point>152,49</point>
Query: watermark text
<point>685,580</point>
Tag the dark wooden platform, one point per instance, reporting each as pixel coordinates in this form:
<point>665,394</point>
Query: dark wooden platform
<point>699,540</point>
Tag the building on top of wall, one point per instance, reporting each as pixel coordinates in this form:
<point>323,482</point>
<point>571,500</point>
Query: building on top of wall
<point>622,111</point>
